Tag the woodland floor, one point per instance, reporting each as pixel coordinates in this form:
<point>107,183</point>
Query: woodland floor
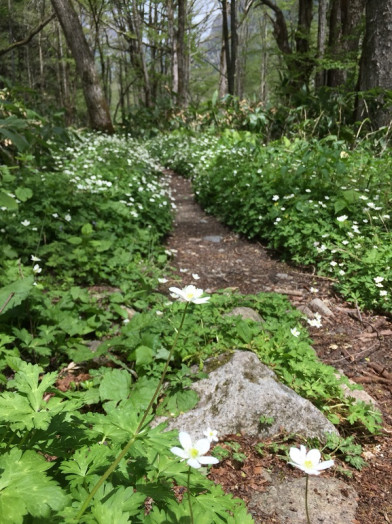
<point>358,343</point>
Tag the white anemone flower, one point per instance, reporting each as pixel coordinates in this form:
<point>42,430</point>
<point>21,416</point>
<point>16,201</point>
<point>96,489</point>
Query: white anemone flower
<point>316,321</point>
<point>35,259</point>
<point>189,294</point>
<point>211,434</point>
<point>193,453</point>
<point>309,462</point>
<point>342,218</point>
<point>37,269</point>
<point>295,332</point>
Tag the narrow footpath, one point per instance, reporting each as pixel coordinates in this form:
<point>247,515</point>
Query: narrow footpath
<point>359,344</point>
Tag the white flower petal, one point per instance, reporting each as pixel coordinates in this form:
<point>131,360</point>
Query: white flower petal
<point>314,456</point>
<point>298,455</point>
<point>208,460</point>
<point>179,452</point>
<point>193,463</point>
<point>201,300</point>
<point>185,440</point>
<point>202,446</point>
<point>326,464</point>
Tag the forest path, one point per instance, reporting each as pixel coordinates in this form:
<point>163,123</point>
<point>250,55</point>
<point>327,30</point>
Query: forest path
<point>359,344</point>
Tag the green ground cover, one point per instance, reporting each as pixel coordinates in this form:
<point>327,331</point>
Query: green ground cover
<point>94,212</point>
<point>318,202</point>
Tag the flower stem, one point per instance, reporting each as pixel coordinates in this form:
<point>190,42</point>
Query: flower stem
<point>189,496</point>
<point>131,441</point>
<point>306,500</point>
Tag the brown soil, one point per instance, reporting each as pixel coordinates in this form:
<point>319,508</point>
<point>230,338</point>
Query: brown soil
<point>358,343</point>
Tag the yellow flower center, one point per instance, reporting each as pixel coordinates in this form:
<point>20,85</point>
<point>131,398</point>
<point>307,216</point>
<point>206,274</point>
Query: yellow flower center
<point>193,453</point>
<point>308,464</point>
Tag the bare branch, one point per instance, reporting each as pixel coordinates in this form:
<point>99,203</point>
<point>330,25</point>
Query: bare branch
<point>28,37</point>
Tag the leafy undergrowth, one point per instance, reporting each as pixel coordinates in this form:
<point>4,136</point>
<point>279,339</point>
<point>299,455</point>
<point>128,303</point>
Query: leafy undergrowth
<point>316,201</point>
<point>81,266</point>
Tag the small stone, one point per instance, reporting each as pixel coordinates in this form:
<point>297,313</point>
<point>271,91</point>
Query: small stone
<point>306,311</point>
<point>284,276</point>
<point>318,306</point>
<point>357,394</point>
<point>246,313</point>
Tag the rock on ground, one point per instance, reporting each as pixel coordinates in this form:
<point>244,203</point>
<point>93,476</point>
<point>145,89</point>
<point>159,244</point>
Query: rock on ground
<point>238,391</point>
<point>330,501</point>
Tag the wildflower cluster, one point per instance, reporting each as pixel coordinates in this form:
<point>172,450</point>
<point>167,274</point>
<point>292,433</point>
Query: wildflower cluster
<point>310,199</point>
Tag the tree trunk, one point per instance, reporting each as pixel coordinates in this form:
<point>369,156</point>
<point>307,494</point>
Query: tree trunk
<point>231,72</point>
<point>376,63</point>
<point>173,49</point>
<point>264,59</point>
<point>222,71</point>
<point>141,55</point>
<point>97,106</point>
<point>181,54</point>
<point>226,45</point>
<point>298,61</point>
<point>320,79</point>
<point>344,35</point>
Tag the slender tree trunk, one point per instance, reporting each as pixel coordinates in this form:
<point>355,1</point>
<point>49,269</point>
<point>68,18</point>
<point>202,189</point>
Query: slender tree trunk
<point>231,72</point>
<point>142,57</point>
<point>264,59</point>
<point>182,51</point>
<point>226,46</point>
<point>242,44</point>
<point>321,40</point>
<point>97,106</point>
<point>173,50</point>
<point>223,71</point>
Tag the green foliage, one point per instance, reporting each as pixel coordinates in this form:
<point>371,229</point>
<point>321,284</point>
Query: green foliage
<point>25,135</point>
<point>316,202</point>
<point>26,489</point>
<point>99,218</point>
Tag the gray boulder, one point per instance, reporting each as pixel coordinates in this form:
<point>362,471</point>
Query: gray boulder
<point>238,391</point>
<point>330,501</point>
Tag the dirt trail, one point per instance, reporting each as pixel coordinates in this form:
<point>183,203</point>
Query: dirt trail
<point>359,344</point>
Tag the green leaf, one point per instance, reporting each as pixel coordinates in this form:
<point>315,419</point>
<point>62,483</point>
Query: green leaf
<point>244,331</point>
<point>351,196</point>
<point>26,489</point>
<point>178,402</point>
<point>87,229</point>
<point>115,385</point>
<point>85,463</point>
<point>7,201</point>
<point>18,140</point>
<point>23,193</point>
<point>27,409</point>
<point>122,504</point>
<point>15,293</point>
<point>27,380</point>
<point>74,240</point>
<point>144,355</point>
